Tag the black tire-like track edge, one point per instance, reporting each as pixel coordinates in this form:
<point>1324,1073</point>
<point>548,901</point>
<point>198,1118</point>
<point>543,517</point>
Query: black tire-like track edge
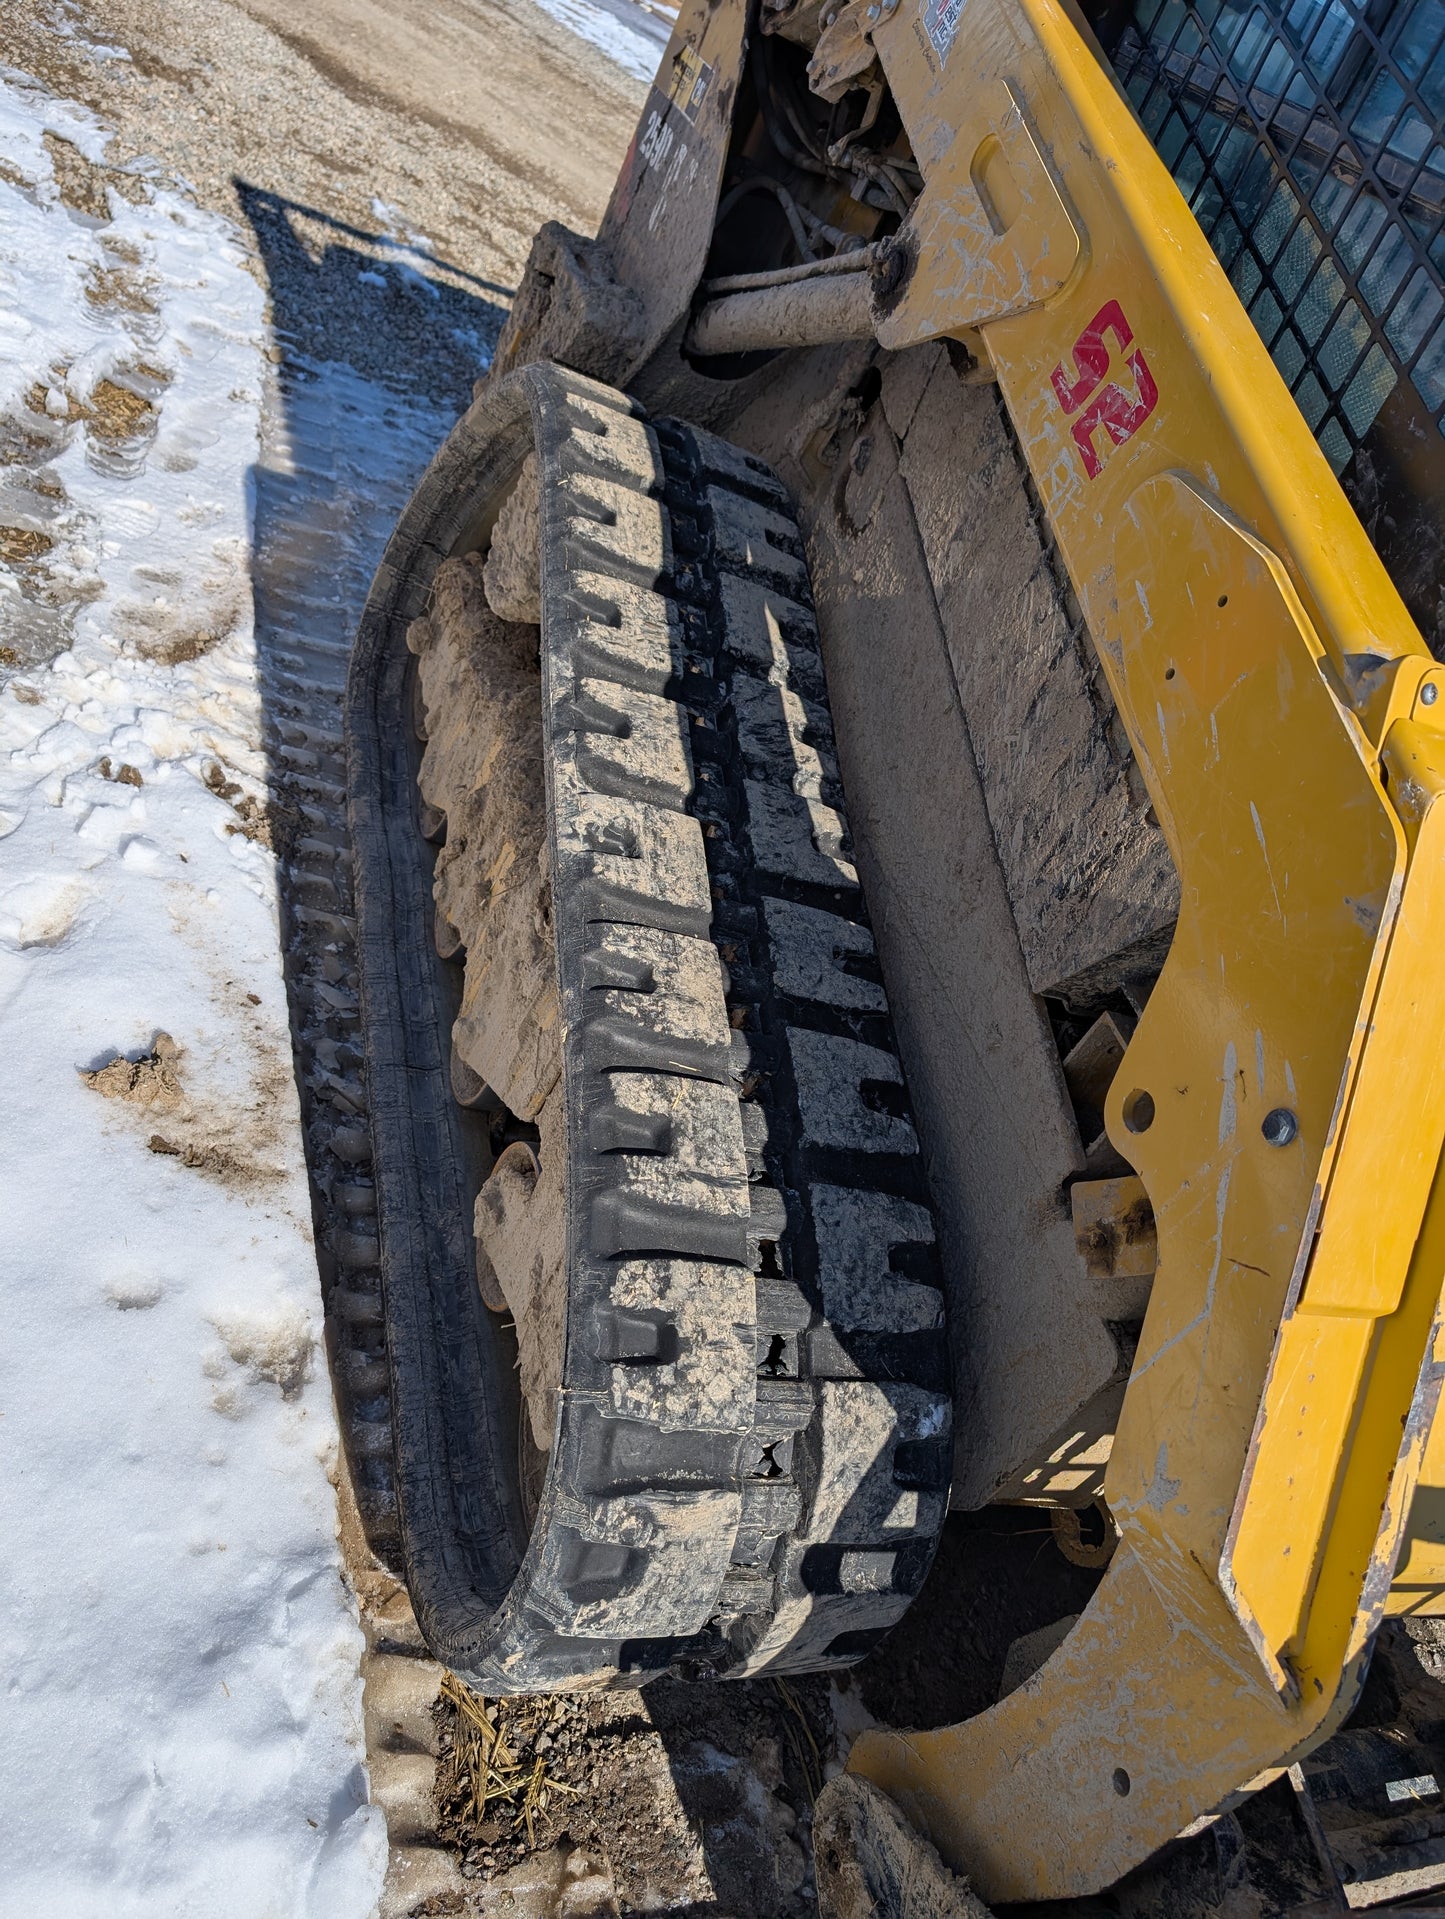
<point>750,1463</point>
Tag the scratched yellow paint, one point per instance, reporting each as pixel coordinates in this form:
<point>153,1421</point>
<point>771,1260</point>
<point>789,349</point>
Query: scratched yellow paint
<point>958,227</point>
<point>1369,1226</point>
<point>1418,1585</point>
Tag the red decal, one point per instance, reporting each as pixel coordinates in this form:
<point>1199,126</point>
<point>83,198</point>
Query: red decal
<point>1113,409</point>
<point>1120,416</point>
<point>1091,355</point>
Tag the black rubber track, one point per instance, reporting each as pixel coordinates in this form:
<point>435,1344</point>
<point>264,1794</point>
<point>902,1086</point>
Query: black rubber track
<point>750,1464</point>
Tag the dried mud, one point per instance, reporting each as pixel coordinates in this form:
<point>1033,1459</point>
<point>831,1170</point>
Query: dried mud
<point>149,1081</point>
<point>234,1141</point>
<point>684,1798</point>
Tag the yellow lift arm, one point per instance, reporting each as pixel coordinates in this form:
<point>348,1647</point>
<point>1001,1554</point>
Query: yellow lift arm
<point>1283,1097</point>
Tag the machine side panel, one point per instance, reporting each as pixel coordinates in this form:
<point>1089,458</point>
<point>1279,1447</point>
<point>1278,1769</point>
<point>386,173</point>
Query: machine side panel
<point>1092,886</point>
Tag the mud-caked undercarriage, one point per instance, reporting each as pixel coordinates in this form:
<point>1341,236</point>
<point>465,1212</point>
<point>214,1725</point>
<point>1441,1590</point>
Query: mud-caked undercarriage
<point>644,995</point>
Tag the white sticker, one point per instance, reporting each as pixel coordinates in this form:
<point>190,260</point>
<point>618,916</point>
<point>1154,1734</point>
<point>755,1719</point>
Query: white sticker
<point>1423,1786</point>
<point>941,18</point>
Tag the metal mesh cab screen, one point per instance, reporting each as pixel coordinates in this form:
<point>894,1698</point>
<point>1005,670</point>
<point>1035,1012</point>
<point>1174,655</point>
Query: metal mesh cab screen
<point>1309,141</point>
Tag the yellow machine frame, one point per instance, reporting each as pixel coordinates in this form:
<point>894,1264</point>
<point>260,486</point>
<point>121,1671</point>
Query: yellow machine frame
<point>1283,1097</point>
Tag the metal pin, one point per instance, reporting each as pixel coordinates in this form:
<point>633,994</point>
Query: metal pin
<point>1429,692</point>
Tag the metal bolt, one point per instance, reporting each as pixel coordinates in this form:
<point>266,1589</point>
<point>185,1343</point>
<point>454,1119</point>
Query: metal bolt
<point>829,18</point>
<point>1429,693</point>
<point>873,13</point>
<point>891,267</point>
<point>1280,1126</point>
<point>889,5</point>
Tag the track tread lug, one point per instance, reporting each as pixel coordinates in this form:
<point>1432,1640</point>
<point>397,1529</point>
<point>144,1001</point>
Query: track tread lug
<point>727,1488</point>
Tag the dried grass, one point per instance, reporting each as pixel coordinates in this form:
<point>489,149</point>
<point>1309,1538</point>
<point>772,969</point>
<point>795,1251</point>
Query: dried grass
<point>36,396</point>
<point>116,412</point>
<point>805,1746</point>
<point>119,288</point>
<point>483,1769</point>
<point>20,544</point>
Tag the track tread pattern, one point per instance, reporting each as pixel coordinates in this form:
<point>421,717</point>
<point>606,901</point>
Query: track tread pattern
<point>863,1423</point>
<point>750,1462</point>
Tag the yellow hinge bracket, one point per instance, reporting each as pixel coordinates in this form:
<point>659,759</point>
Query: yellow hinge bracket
<point>992,233</point>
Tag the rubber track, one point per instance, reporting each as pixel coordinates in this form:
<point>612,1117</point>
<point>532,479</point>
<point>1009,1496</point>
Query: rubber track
<point>751,1457</point>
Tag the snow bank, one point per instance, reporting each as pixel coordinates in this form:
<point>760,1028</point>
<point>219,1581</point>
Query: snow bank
<point>182,1724</point>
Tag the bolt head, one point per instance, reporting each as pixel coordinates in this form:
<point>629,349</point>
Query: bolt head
<point>890,269</point>
<point>873,14</point>
<point>1280,1126</point>
<point>1429,693</point>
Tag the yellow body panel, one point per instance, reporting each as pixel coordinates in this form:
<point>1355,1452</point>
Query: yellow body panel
<point>1271,682</point>
<point>1419,1583</point>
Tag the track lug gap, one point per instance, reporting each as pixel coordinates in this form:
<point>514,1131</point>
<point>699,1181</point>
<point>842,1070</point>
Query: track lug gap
<point>613,1129</point>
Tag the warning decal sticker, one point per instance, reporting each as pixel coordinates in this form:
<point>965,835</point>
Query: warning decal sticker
<point>941,18</point>
<point>691,78</point>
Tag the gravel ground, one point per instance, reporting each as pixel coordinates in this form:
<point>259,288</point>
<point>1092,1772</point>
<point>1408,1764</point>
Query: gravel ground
<point>421,145</point>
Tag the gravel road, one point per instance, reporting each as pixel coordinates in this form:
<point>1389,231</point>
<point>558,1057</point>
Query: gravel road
<point>422,144</point>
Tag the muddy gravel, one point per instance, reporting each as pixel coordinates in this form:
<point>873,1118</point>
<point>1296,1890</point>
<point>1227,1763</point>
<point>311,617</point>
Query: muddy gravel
<point>685,1799</point>
<point>420,147</point>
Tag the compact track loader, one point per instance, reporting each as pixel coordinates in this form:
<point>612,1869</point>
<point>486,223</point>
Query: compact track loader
<point>1026,422</point>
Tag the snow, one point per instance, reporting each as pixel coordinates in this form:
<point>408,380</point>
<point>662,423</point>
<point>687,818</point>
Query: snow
<point>631,38</point>
<point>182,1723</point>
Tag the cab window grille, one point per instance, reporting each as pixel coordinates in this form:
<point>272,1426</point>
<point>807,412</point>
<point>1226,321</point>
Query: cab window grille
<point>1309,141</point>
